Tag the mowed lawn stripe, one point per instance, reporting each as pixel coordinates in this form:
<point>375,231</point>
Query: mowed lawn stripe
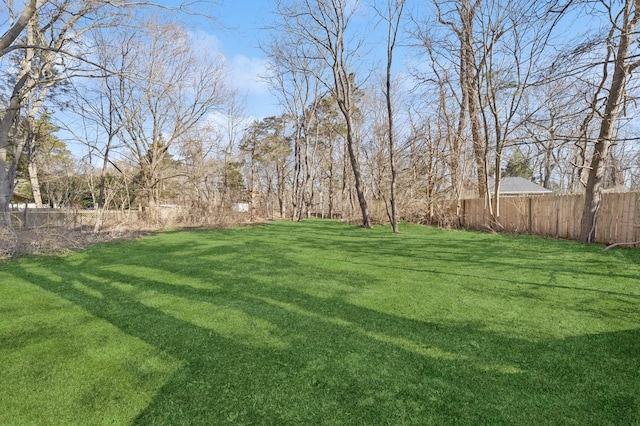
<point>322,323</point>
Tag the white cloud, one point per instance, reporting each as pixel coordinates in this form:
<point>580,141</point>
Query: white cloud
<point>246,73</point>
<point>206,41</point>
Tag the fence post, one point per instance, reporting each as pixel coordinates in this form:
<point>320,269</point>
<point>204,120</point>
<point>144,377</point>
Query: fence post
<point>463,221</point>
<point>636,218</point>
<point>530,218</point>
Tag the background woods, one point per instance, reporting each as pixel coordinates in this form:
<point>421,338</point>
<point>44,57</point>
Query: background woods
<point>387,110</point>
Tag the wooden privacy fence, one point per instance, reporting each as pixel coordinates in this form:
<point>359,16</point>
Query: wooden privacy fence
<point>618,219</point>
<point>69,218</point>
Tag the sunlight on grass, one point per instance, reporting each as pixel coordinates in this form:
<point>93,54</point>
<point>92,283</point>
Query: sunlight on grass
<point>87,290</point>
<point>534,313</point>
<point>323,323</point>
<point>62,365</point>
<point>161,276</point>
<point>226,322</point>
<point>401,343</point>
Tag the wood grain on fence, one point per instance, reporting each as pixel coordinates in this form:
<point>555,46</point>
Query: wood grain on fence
<point>559,216</point>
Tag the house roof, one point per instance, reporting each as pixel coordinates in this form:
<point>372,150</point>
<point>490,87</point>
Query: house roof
<point>20,198</point>
<point>518,186</point>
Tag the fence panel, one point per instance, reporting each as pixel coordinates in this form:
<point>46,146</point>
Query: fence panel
<point>556,216</point>
<point>559,216</point>
<point>36,218</point>
<point>514,214</point>
<point>616,221</point>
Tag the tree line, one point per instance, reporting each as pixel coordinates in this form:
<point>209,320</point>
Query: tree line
<point>390,109</point>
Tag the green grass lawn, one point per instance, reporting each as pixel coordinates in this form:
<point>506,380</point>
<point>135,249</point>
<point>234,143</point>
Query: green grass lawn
<point>321,323</point>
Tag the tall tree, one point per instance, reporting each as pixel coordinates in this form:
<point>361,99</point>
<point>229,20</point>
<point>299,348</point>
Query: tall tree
<point>267,149</point>
<point>293,75</point>
<point>97,104</point>
<point>326,26</point>
<point>622,53</point>
<point>47,38</point>
<point>42,34</point>
<point>465,13</point>
<point>392,17</point>
<point>161,97</point>
<point>516,36</point>
<point>502,49</point>
<point>327,131</point>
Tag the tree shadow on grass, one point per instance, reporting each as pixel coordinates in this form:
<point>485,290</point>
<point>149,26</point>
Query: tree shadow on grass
<point>493,254</point>
<point>321,360</point>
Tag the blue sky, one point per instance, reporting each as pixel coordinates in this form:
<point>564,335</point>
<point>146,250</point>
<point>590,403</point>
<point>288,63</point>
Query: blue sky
<point>238,38</point>
<point>237,35</point>
<point>242,24</point>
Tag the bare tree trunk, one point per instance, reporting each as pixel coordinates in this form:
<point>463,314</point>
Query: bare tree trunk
<point>32,168</point>
<point>296,193</point>
<point>7,122</point>
<point>357,175</point>
<point>306,187</point>
<point>469,80</point>
<point>281,178</point>
<point>101,207</point>
<point>617,92</point>
<point>394,16</point>
<point>469,86</point>
<point>323,25</point>
<point>14,32</point>
<point>252,191</point>
<point>331,179</point>
<point>309,189</point>
<point>344,87</point>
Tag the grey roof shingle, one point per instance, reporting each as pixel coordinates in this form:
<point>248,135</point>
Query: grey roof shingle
<point>518,185</point>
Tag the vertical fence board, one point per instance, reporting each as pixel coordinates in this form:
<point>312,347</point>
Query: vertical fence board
<point>629,219</point>
<point>636,220</point>
<point>560,215</point>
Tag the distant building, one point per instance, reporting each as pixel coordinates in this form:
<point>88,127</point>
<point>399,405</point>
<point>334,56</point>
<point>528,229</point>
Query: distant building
<point>19,201</point>
<point>240,207</point>
<point>517,186</point>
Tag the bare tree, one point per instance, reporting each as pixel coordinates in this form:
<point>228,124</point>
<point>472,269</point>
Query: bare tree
<point>498,48</point>
<point>161,97</point>
<point>392,16</point>
<point>516,41</point>
<point>325,25</point>
<point>466,14</point>
<point>441,98</point>
<point>51,50</point>
<point>458,51</point>
<point>19,21</point>
<point>50,29</point>
<point>96,103</point>
<point>550,129</point>
<point>292,75</point>
<point>621,45</point>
